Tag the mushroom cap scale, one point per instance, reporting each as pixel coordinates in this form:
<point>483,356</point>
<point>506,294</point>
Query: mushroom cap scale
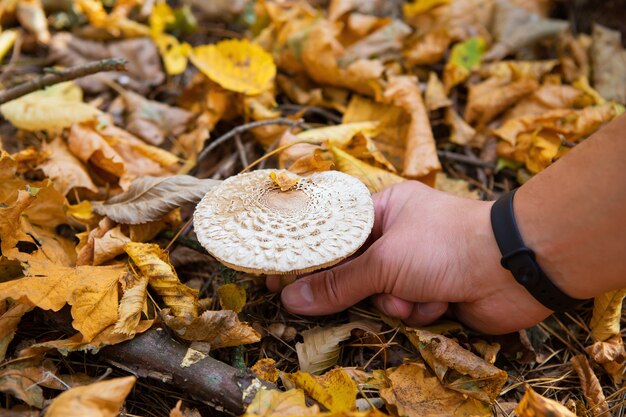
<point>250,225</point>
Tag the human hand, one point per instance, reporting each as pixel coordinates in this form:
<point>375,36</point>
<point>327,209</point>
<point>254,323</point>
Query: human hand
<point>429,252</point>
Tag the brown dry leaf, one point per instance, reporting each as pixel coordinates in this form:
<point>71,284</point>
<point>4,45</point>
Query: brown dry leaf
<point>153,263</point>
<point>534,405</point>
<point>109,246</point>
<point>608,58</point>
<point>454,186</point>
<point>375,179</point>
<point>144,64</point>
<point>218,328</point>
<point>607,312</point>
<point>150,198</point>
<point>232,297</point>
<point>420,158</point>
<point>320,348</point>
<point>335,390</point>
<point>280,403</point>
<point>413,391</point>
<point>460,132</point>
<point>24,380</point>
<point>236,65</point>
<point>266,369</point>
<point>338,135</point>
<point>428,49</point>
<point>87,245</point>
<point>491,97</point>
<point>56,107</point>
<point>380,44</point>
<point>458,368</point>
<point>131,307</point>
<point>592,390</point>
<point>10,217</point>
<point>32,17</point>
<point>8,165</point>
<point>547,97</point>
<point>611,355</point>
<point>435,97</point>
<point>9,320</point>
<point>65,171</point>
<point>154,121</point>
<point>89,146</point>
<point>515,28</point>
<point>148,231</point>
<point>317,161</point>
<point>100,399</point>
<point>107,337</point>
<point>517,70</point>
<point>487,350</point>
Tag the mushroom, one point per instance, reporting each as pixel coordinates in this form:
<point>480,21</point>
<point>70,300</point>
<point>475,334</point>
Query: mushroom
<point>273,222</point>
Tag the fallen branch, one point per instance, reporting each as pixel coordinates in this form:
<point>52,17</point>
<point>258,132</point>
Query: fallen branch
<point>464,159</point>
<point>72,73</point>
<point>242,128</point>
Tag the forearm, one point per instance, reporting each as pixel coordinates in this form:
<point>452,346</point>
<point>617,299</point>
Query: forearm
<point>573,215</point>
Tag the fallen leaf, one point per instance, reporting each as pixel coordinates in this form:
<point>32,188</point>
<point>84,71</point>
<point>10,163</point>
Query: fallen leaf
<point>266,369</point>
<point>9,320</point>
<point>109,246</point>
<point>100,399</point>
<point>154,121</point>
<point>32,17</point>
<point>153,263</point>
<point>116,24</point>
<point>517,70</point>
<point>534,405</point>
<point>428,49</point>
<point>435,97</point>
<point>607,312</point>
<point>25,380</point>
<point>608,59</point>
<point>335,390</point>
<point>56,107</point>
<point>7,40</point>
<point>420,157</point>
<point>280,403</point>
<point>421,6</point>
<point>464,58</point>
<point>611,355</point>
<point>457,368</point>
<point>544,99</point>
<point>383,42</point>
<point>218,328</point>
<point>320,348</point>
<point>131,307</point>
<point>338,135</point>
<point>413,391</point>
<point>232,297</point>
<point>376,179</point>
<point>491,97</point>
<point>150,198</point>
<point>487,350</point>
<point>592,390</point>
<point>461,133</point>
<point>143,68</point>
<point>65,171</point>
<point>236,65</point>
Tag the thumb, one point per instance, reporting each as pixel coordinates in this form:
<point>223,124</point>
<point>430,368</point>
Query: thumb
<point>332,290</point>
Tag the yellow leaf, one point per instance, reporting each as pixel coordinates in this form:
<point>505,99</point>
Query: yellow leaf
<point>9,319</point>
<point>7,39</point>
<point>266,370</point>
<point>375,179</point>
<point>8,166</point>
<point>339,135</point>
<point>232,297</point>
<point>534,405</point>
<point>100,399</point>
<point>162,15</point>
<point>153,263</point>
<point>458,368</point>
<point>83,211</point>
<point>415,392</point>
<point>464,58</point>
<point>175,54</point>
<point>421,6</point>
<point>460,132</point>
<point>236,65</point>
<point>218,328</point>
<point>517,70</point>
<point>32,17</point>
<point>435,97</point>
<point>280,403</point>
<point>592,390</point>
<point>131,306</point>
<point>607,312</point>
<point>55,107</point>
<point>10,219</point>
<point>420,158</point>
<point>283,181</point>
<point>64,169</point>
<point>335,390</point>
<point>115,24</point>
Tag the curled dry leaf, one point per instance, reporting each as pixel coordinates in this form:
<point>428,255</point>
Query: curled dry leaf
<point>607,312</point>
<point>320,348</point>
<point>608,62</point>
<point>131,307</point>
<point>266,369</point>
<point>335,390</point>
<point>9,320</point>
<point>150,198</point>
<point>100,399</point>
<point>375,179</point>
<point>458,368</point>
<point>435,97</point>
<point>592,390</point>
<point>153,263</point>
<point>56,107</point>
<point>280,403</point>
<point>218,328</point>
<point>413,391</point>
<point>32,17</point>
<point>24,380</point>
<point>534,405</point>
<point>64,169</point>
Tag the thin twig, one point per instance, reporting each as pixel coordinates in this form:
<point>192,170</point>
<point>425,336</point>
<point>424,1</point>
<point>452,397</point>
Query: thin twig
<point>241,150</point>
<point>335,118</point>
<point>242,128</point>
<point>457,157</point>
<point>72,73</point>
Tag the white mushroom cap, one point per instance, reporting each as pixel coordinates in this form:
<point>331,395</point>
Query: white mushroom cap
<point>250,225</point>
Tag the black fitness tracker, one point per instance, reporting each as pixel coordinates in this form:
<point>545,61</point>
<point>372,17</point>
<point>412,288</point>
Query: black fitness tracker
<point>520,260</point>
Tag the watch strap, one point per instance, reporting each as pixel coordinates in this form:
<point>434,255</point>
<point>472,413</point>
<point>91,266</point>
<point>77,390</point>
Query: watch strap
<point>521,261</point>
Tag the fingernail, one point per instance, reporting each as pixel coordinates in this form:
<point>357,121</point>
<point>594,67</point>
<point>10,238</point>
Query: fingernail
<point>298,295</point>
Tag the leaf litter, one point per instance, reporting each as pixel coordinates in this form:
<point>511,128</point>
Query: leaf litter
<point>98,174</point>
